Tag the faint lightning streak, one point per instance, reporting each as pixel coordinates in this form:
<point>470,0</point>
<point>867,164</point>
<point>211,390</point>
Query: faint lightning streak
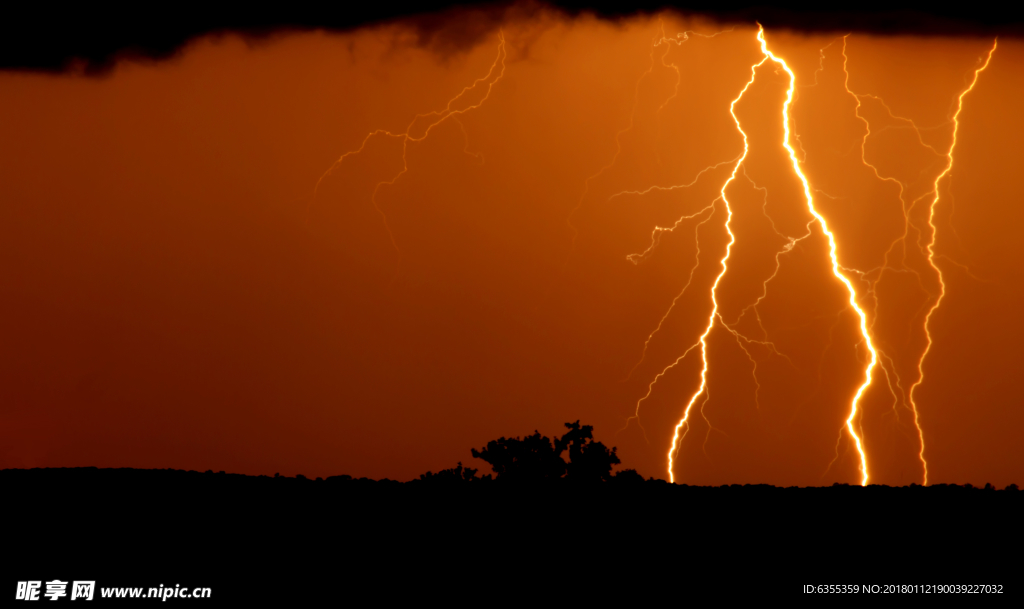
<point>791,243</point>
<point>931,247</point>
<point>905,208</point>
<point>635,258</point>
<point>618,142</point>
<point>913,125</point>
<point>740,338</point>
<point>874,169</point>
<point>674,186</point>
<point>832,254</point>
<point>678,40</point>
<point>440,117</point>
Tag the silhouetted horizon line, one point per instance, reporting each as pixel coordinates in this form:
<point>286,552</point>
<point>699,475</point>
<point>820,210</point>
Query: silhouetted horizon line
<point>1013,487</point>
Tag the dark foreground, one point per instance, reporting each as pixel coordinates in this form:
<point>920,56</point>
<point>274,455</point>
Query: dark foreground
<point>377,542</point>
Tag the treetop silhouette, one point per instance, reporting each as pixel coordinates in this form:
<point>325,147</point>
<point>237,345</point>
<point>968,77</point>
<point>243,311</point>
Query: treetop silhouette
<point>537,458</point>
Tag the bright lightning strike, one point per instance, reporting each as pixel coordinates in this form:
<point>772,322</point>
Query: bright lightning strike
<point>420,127</point>
<point>890,370</point>
<point>832,254</point>
<point>683,423</point>
<point>930,247</point>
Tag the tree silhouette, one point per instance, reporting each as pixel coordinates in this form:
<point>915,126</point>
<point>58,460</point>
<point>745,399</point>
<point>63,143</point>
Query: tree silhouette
<point>536,458</point>
<point>531,459</point>
<point>589,461</point>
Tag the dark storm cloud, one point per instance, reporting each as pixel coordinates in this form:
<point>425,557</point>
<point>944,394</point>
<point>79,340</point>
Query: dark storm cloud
<point>90,37</point>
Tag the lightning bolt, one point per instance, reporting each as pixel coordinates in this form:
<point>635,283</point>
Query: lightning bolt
<point>702,341</point>
<point>658,231</point>
<point>890,369</point>
<point>656,234</point>
<point>682,427</point>
<point>833,255</point>
<point>930,247</point>
<point>422,125</point>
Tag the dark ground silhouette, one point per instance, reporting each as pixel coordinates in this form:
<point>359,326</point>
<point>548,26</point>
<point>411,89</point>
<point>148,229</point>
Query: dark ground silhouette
<point>538,524</point>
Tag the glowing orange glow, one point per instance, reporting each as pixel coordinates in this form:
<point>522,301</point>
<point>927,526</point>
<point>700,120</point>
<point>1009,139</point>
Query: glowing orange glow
<point>364,252</point>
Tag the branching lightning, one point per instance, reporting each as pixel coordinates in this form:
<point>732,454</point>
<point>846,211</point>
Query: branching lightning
<point>890,369</point>
<point>836,269</point>
<point>702,341</point>
<point>843,274</point>
<point>476,94</point>
<point>682,426</point>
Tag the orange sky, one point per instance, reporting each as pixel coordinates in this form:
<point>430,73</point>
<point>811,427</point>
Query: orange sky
<point>179,292</point>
